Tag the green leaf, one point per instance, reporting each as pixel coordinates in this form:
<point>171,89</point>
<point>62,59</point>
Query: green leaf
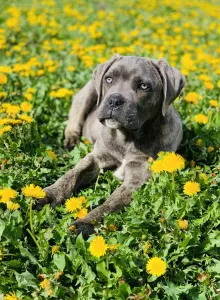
<point>124,290</point>
<point>15,263</point>
<point>151,278</point>
<point>2,228</point>
<point>80,245</point>
<point>60,261</point>
<point>174,291</point>
<point>24,252</point>
<point>186,241</point>
<point>101,269</point>
<point>26,280</point>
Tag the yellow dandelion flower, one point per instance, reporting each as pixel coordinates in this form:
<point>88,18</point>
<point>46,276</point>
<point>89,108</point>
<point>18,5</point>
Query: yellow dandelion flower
<point>12,205</point>
<point>6,105</point>
<point>208,85</point>
<point>204,77</point>
<point>73,204</point>
<point>147,247</point>
<point>45,284</point>
<point>31,90</point>
<point>11,296</point>
<point>157,167</point>
<point>55,249</point>
<point>1,254</point>
<point>40,72</point>
<point>199,142</point>
<point>162,220</point>
<point>12,109</point>
<point>33,191</point>
<point>112,227</point>
<point>191,188</point>
<point>98,247</point>
<point>156,266</point>
<point>150,159</point>
<point>6,194</point>
<point>5,129</point>
<point>169,162</point>
<point>9,121</point>
<point>51,154</point>
<point>113,247</point>
<point>183,224</point>
<point>28,96</point>
<point>71,68</point>
<point>57,275</point>
<point>82,199</point>
<point>86,142</point>
<point>81,213</point>
<point>5,69</point>
<point>25,106</point>
<point>173,162</point>
<point>3,95</point>
<point>26,118</point>
<point>204,177</point>
<point>201,119</point>
<point>3,78</point>
<point>210,149</point>
<point>192,97</point>
<point>213,103</point>
<point>61,93</point>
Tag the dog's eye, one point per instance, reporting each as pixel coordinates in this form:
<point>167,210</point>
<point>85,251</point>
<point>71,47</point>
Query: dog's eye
<point>144,86</point>
<point>108,79</point>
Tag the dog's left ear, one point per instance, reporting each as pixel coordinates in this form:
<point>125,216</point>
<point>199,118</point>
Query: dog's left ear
<point>173,82</point>
<point>99,73</point>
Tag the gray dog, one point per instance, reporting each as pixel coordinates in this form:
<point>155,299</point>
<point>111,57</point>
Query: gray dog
<point>126,112</point>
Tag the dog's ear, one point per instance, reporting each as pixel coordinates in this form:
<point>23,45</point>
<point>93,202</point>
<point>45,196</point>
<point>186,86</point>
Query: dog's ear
<point>98,74</point>
<point>173,82</point>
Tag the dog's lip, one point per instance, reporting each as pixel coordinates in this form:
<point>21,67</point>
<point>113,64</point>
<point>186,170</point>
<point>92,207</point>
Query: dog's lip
<point>109,118</point>
<point>103,119</point>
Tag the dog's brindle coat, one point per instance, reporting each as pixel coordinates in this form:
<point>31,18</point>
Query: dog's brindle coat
<point>126,112</point>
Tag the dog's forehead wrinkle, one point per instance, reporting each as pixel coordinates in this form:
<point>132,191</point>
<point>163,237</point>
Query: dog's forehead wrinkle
<point>130,67</point>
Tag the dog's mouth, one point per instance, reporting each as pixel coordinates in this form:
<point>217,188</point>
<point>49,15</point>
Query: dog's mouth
<point>111,123</point>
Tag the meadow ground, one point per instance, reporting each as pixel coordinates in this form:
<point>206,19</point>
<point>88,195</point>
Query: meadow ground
<point>166,244</point>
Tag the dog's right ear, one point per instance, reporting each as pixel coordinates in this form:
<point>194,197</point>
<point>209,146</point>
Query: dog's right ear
<point>98,74</point>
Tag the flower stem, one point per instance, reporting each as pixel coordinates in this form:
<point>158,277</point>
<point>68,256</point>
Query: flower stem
<point>173,181</point>
<point>33,237</point>
<point>10,254</point>
<point>31,232</point>
<point>173,187</point>
<point>30,215</point>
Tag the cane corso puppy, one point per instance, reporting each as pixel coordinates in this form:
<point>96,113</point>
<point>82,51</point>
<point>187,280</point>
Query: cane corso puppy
<point>126,112</point>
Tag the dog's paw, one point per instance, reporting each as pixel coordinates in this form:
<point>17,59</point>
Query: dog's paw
<point>71,139</point>
<point>53,196</point>
<point>85,228</point>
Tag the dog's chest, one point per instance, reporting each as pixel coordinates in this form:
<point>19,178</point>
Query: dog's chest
<point>120,171</point>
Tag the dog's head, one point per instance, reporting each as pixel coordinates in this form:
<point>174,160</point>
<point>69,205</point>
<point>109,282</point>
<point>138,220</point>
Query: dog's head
<point>133,90</point>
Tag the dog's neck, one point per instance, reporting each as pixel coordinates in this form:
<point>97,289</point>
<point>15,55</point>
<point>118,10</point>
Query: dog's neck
<point>150,126</point>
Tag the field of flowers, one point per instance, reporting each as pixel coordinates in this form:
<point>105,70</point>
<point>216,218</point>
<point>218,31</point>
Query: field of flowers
<point>166,244</point>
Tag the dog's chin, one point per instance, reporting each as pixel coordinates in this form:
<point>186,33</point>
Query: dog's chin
<point>111,123</point>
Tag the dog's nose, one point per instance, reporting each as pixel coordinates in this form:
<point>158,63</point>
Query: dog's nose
<point>115,101</point>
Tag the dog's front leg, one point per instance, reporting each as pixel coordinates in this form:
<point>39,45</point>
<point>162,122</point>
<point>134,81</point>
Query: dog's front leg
<point>82,104</point>
<point>81,175</point>
<point>136,173</point>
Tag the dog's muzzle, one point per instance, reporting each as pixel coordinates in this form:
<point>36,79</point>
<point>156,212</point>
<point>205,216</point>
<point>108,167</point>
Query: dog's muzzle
<point>115,101</point>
